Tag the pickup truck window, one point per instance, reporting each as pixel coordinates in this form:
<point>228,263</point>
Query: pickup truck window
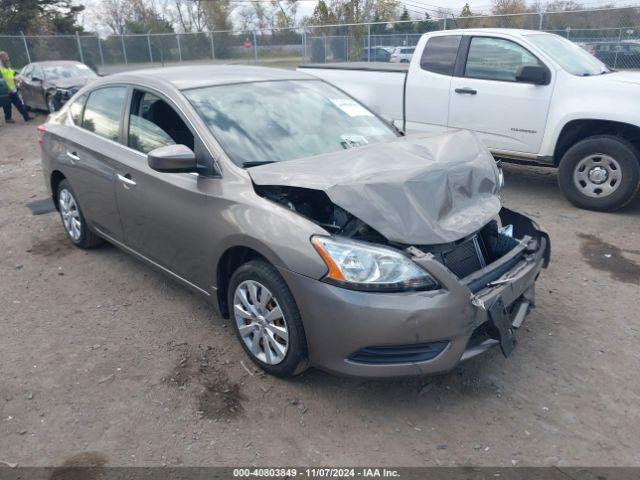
<point>274,121</point>
<point>496,59</point>
<point>439,55</point>
<point>568,55</point>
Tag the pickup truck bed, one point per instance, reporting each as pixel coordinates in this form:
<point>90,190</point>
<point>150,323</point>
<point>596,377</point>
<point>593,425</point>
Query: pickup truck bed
<point>368,66</point>
<point>380,86</point>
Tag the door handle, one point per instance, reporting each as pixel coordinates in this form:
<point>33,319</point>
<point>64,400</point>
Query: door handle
<point>468,91</point>
<point>73,156</point>
<point>127,181</point>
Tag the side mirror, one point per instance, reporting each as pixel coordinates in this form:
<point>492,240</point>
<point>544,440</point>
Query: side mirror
<point>536,74</point>
<point>173,159</point>
<point>36,79</point>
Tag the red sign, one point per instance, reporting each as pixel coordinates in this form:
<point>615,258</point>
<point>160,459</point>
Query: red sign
<point>247,43</point>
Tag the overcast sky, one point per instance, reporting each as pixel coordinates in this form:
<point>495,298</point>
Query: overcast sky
<point>416,8</point>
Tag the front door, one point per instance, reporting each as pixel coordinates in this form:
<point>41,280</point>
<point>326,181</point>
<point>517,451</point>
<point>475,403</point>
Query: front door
<point>164,215</point>
<point>506,114</point>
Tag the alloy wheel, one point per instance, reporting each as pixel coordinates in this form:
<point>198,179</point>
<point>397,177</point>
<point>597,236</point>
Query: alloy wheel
<point>260,321</point>
<point>70,214</point>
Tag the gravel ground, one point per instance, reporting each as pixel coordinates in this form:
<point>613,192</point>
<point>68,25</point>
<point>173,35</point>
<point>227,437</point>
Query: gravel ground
<point>105,360</point>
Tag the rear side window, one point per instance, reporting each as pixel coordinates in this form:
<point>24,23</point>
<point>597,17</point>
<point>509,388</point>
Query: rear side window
<point>76,109</point>
<point>103,111</point>
<point>440,54</point>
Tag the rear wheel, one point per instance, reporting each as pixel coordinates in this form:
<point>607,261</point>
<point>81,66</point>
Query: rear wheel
<point>73,220</point>
<point>600,173</point>
<point>266,319</point>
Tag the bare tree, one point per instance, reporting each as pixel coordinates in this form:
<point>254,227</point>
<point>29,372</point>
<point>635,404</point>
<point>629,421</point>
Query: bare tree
<point>190,16</point>
<point>114,14</point>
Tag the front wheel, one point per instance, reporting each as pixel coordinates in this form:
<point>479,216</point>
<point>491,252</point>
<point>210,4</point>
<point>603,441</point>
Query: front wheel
<point>266,319</point>
<point>52,103</point>
<point>600,173</point>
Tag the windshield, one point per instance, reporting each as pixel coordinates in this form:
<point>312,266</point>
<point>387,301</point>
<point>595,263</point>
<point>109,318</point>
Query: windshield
<point>568,55</point>
<point>55,72</point>
<point>282,120</point>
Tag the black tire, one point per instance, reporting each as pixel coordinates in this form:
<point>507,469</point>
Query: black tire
<point>619,149</point>
<point>87,239</point>
<point>295,359</point>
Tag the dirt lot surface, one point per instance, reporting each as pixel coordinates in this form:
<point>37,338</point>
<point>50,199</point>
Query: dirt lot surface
<point>105,360</point>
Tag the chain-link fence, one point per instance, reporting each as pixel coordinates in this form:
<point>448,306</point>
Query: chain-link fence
<point>611,34</point>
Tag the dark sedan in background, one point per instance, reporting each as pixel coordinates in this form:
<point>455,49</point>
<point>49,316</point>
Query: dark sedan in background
<point>48,85</point>
<point>616,54</point>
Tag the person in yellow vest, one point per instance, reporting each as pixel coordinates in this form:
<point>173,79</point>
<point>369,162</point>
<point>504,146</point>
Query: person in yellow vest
<point>8,75</point>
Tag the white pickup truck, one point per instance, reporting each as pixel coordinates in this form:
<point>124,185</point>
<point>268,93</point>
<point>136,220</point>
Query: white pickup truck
<point>530,96</point>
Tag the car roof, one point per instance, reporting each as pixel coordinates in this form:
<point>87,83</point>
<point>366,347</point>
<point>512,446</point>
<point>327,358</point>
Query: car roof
<point>53,63</point>
<point>195,76</point>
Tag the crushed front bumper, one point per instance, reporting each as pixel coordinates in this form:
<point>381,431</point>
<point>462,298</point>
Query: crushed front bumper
<point>418,333</point>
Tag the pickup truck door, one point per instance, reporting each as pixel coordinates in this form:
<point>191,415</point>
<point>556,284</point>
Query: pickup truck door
<point>509,116</point>
<point>429,83</point>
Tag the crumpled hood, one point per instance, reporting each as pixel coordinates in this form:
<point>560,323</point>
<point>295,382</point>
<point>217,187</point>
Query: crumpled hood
<point>66,83</point>
<point>419,190</point>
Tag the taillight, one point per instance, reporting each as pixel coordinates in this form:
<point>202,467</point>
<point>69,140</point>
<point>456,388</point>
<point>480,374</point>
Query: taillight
<point>41,129</point>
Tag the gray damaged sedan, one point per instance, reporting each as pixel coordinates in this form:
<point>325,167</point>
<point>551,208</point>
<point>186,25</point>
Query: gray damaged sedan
<point>327,237</point>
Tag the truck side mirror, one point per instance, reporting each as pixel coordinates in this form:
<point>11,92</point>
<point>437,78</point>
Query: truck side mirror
<point>536,74</point>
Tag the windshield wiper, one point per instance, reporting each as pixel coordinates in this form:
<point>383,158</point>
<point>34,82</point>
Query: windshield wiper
<point>256,163</point>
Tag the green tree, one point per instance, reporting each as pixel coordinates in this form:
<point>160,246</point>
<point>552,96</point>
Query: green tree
<point>426,24</point>
<point>461,22</point>
<point>39,16</point>
<point>406,25</point>
<point>466,11</point>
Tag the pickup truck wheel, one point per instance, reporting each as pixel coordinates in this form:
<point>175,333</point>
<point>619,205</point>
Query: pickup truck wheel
<point>73,219</point>
<point>266,319</point>
<point>600,173</point>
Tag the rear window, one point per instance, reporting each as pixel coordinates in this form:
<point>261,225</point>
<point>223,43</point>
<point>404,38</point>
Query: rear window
<point>103,110</point>
<point>440,54</point>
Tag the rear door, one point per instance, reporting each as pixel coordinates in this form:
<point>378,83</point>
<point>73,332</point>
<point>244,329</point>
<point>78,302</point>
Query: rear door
<point>90,153</point>
<point>428,84</point>
<point>509,116</point>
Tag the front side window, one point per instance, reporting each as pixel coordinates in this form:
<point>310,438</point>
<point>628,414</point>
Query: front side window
<point>154,124</point>
<point>496,59</point>
<point>76,109</point>
<point>439,55</point>
<point>274,121</point>
<point>103,111</point>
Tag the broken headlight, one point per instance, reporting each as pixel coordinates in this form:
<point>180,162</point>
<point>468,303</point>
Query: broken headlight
<point>362,266</point>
